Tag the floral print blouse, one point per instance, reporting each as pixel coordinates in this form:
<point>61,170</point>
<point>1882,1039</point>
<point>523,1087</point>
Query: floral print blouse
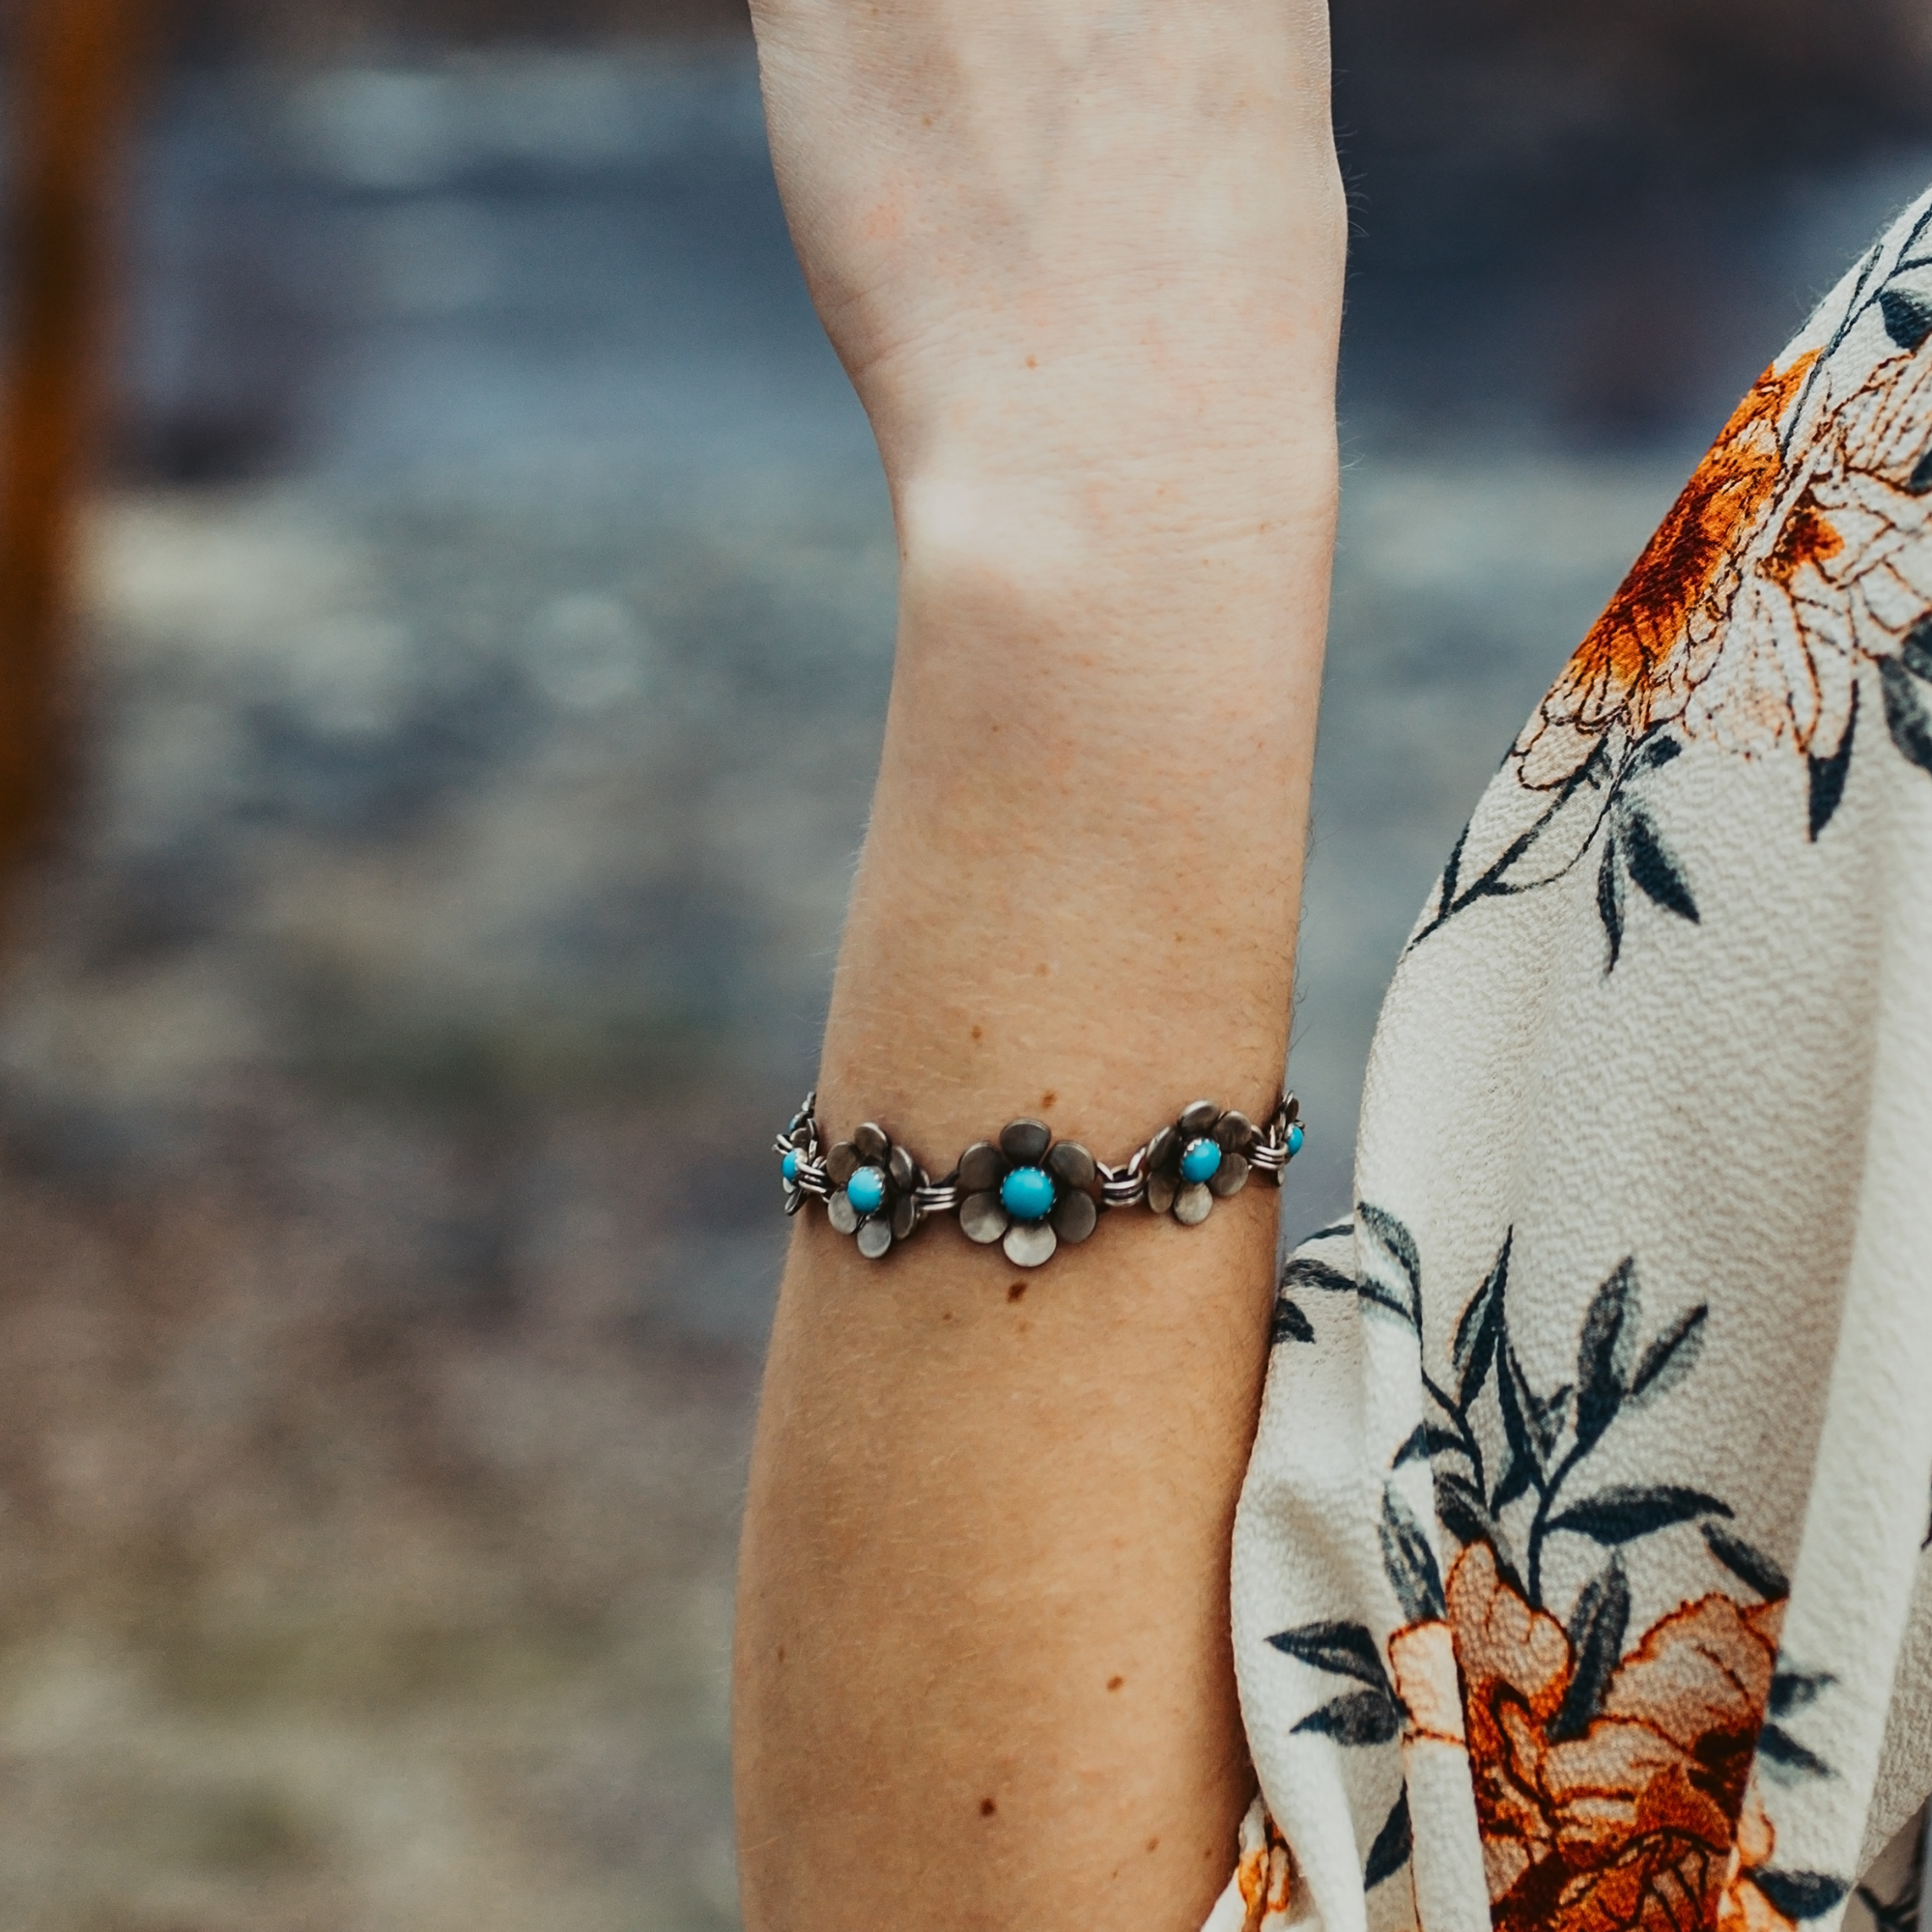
<point>1580,1577</point>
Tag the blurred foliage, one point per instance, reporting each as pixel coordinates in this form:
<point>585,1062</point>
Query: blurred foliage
<point>1740,80</point>
<point>322,28</point>
<point>1746,76</point>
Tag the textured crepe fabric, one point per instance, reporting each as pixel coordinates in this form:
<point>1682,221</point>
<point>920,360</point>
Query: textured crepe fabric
<point>1580,1577</point>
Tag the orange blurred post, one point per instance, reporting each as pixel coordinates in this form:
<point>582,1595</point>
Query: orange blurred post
<point>74,87</point>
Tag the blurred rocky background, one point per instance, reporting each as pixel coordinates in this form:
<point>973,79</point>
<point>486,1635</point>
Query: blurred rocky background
<point>488,610</point>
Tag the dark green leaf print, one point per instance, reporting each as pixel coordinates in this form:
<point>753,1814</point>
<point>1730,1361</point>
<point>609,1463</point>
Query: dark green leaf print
<point>1610,901</point>
<point>1525,1469</point>
<point>1603,1355</point>
<point>1908,316</point>
<point>1305,1273</point>
<point>1780,1753</point>
<point>1793,1689</point>
<point>1394,1240</point>
<point>1459,1506</point>
<point>1482,1322</point>
<point>1343,1649</point>
<point>1409,1561</point>
<point>1801,1896</point>
<point>1597,1627</point>
<point>1653,864</point>
<point>1657,752</point>
<point>1906,714</point>
<point>1747,1562</point>
<point>1915,653</point>
<point>1393,1848</point>
<point>1621,1515</point>
<point>1670,1357</point>
<point>1828,776</point>
<point>1291,1325</point>
<point>1360,1718</point>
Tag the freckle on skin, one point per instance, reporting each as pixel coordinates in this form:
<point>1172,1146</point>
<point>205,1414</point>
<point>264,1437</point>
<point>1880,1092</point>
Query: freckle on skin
<point>988,1807</point>
<point>977,1031</point>
<point>1033,361</point>
<point>1115,1683</point>
<point>1039,970</point>
<point>1017,1292</point>
<point>1153,1844</point>
<point>1047,1098</point>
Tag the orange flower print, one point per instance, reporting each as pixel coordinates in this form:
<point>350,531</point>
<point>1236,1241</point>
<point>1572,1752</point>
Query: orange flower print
<point>1744,1905</point>
<point>1800,548</point>
<point>1789,587</point>
<point>1265,1875</point>
<point>1636,668</point>
<point>1628,1827</point>
<point>1422,1659</point>
<point>1609,1776</point>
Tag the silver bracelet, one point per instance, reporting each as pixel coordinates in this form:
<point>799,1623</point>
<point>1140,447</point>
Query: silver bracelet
<point>1026,1190</point>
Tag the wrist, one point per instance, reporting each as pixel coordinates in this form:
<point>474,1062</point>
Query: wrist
<point>1146,548</point>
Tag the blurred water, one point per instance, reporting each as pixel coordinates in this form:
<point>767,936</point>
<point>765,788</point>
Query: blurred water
<point>491,637</point>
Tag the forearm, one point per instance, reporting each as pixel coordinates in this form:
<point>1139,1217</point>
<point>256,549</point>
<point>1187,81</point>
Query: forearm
<point>984,1674</point>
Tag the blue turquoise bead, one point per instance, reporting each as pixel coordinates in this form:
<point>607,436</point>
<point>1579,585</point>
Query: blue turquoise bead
<point>866,1191</point>
<point>1201,1161</point>
<point>788,1167</point>
<point>1026,1194</point>
<point>1294,1139</point>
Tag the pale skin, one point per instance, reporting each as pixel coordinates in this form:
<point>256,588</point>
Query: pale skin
<point>1083,262</point>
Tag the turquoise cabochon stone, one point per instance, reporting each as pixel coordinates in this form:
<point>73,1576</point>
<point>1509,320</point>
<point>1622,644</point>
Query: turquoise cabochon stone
<point>1026,1194</point>
<point>866,1191</point>
<point>1201,1161</point>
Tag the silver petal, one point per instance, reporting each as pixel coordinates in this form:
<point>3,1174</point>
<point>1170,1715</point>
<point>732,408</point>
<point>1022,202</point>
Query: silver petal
<point>1028,1244</point>
<point>1193,1203</point>
<point>794,1200</point>
<point>872,1142</point>
<point>982,1220</point>
<point>1074,1216</point>
<point>1234,1131</point>
<point>1071,1165</point>
<point>843,1163</point>
<point>905,1216</point>
<point>841,1213</point>
<point>1160,1192</point>
<point>1024,1142</point>
<point>874,1239</point>
<point>1200,1118</point>
<point>982,1168</point>
<point>1160,1149</point>
<point>1231,1177</point>
<point>903,1170</point>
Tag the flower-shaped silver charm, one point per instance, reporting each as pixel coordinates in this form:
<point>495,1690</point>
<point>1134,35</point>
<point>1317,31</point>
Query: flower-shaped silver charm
<point>872,1190</point>
<point>1204,1155</point>
<point>798,1151</point>
<point>1028,1192</point>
